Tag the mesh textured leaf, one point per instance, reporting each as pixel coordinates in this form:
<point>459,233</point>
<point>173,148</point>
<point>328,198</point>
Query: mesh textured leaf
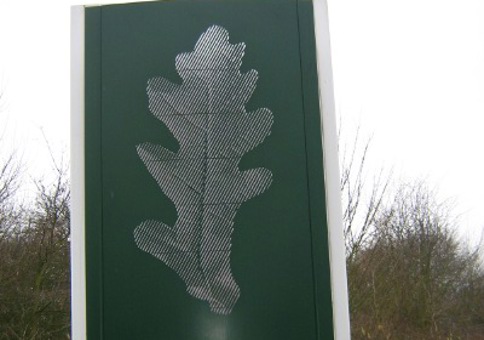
<point>207,115</point>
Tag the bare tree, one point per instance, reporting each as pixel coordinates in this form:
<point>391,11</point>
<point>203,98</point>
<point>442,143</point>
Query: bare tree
<point>34,274</point>
<point>414,275</point>
<point>362,196</point>
<point>408,275</point>
<point>10,176</point>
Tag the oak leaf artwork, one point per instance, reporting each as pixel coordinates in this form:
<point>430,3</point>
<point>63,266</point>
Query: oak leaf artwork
<point>207,116</point>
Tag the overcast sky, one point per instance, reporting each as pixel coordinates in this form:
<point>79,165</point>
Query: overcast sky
<point>411,73</point>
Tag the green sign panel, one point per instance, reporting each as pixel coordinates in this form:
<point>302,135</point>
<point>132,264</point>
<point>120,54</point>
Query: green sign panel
<point>205,213</point>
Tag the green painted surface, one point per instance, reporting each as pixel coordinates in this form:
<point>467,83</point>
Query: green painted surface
<point>93,172</point>
<point>279,252</point>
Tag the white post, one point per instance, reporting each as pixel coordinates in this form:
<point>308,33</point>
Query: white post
<point>78,263</point>
<point>337,257</point>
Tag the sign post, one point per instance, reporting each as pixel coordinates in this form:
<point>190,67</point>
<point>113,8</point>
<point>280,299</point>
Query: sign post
<point>205,174</point>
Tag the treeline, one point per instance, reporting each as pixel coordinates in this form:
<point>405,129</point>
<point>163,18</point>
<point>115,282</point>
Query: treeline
<point>34,257</point>
<point>409,277</point>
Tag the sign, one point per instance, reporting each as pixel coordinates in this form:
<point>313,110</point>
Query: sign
<point>200,202</point>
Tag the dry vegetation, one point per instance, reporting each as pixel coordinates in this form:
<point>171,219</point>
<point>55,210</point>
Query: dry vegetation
<point>408,275</point>
<point>34,252</point>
